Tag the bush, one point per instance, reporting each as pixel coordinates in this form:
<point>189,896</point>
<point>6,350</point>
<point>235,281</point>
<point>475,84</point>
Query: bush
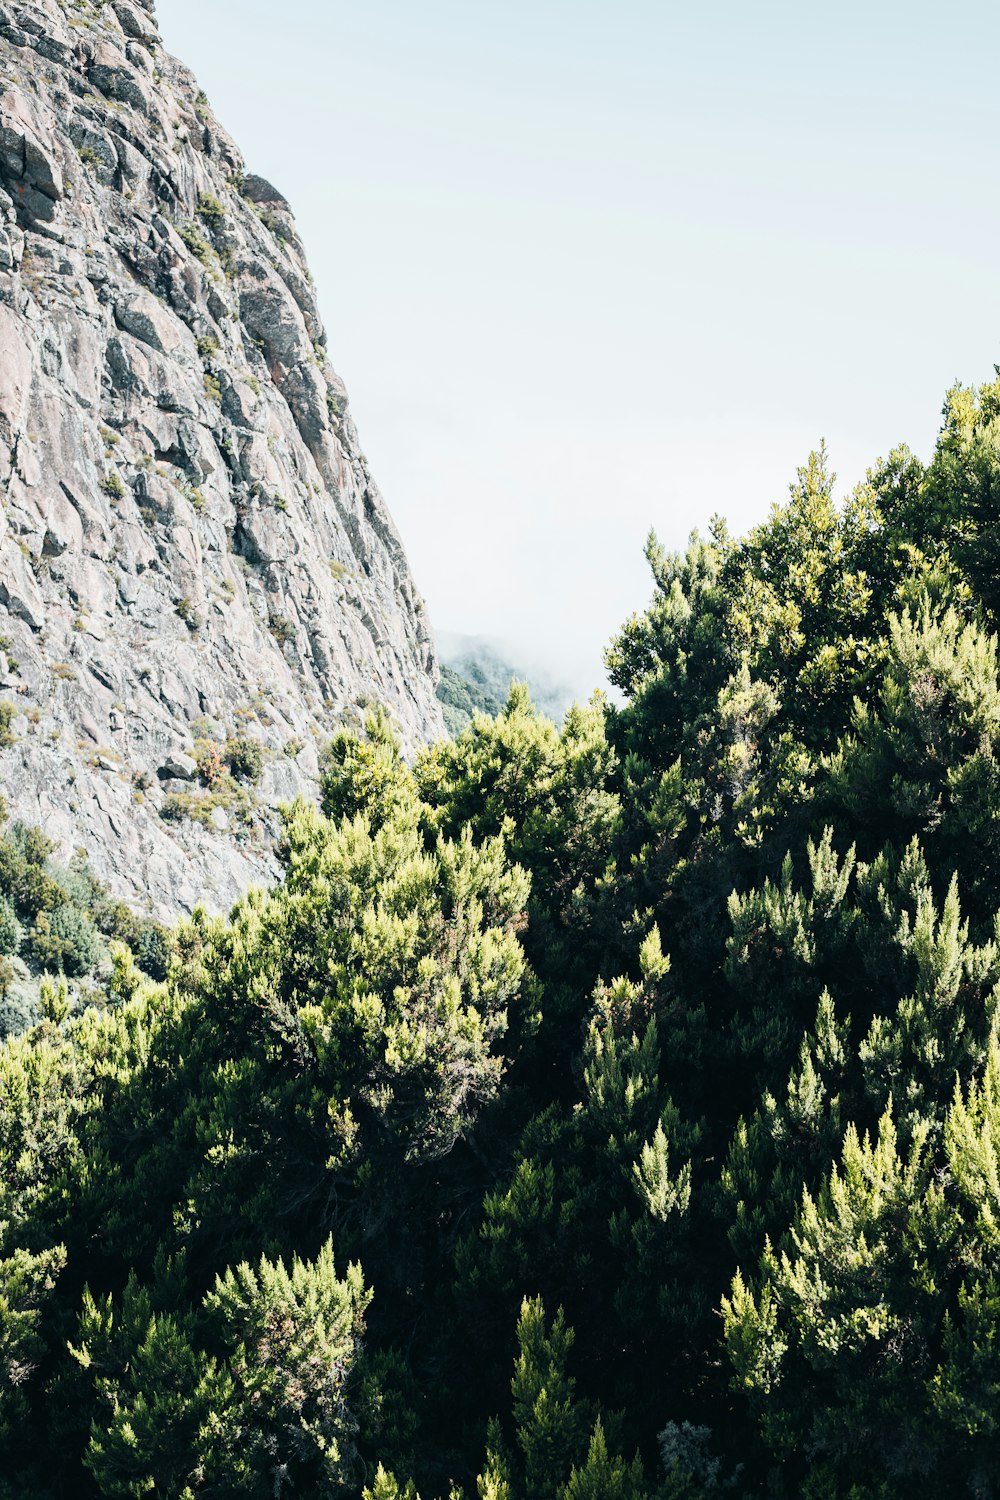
<point>75,881</point>
<point>114,919</point>
<point>153,949</point>
<point>19,1002</point>
<point>211,209</point>
<point>112,485</point>
<point>24,876</point>
<point>211,766</point>
<point>196,243</point>
<point>187,612</point>
<point>30,841</point>
<point>11,932</point>
<point>245,758</point>
<point>66,941</point>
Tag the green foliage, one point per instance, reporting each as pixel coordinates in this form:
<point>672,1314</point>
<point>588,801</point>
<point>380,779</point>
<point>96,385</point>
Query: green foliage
<point>66,941</point>
<point>197,244</point>
<point>112,485</point>
<point>923,758</point>
<point>387,1487</point>
<point>367,775</point>
<point>461,699</point>
<point>210,208</point>
<point>549,794</point>
<point>153,947</point>
<point>681,1021</point>
<point>603,1477</point>
<point>886,1294</point>
<point>267,1410</point>
<point>245,758</point>
<point>11,931</point>
<point>27,1282</point>
<point>51,919</point>
<point>186,611</point>
<point>293,1335</point>
<point>551,1428</point>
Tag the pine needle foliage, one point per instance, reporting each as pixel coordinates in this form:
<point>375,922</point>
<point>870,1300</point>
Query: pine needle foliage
<point>604,1112</point>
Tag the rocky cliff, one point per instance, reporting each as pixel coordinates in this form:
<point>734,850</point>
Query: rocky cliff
<point>198,576</point>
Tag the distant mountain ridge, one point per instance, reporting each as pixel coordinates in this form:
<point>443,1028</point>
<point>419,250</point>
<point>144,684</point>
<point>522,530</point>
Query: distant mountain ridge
<point>476,675</point>
<point>193,551</point>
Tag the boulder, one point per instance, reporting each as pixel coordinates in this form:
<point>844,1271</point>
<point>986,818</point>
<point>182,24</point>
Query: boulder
<point>183,767</point>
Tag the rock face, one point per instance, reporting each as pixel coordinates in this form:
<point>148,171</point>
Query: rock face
<point>192,550</point>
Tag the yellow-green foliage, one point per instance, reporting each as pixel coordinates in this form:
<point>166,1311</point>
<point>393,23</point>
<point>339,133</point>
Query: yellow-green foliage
<point>644,1074</point>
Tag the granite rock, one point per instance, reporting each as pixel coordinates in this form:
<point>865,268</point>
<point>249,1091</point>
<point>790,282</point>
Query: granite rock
<point>192,547</point>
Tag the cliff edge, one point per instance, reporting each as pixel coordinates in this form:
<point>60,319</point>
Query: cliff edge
<point>198,576</point>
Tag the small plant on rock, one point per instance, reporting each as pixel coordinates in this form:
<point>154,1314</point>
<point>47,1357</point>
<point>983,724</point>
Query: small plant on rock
<point>282,629</point>
<point>211,766</point>
<point>196,243</point>
<point>210,208</point>
<point>245,758</point>
<point>112,485</point>
<point>187,612</point>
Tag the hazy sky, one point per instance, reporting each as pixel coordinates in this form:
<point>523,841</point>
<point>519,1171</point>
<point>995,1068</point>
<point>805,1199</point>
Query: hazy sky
<point>591,267</point>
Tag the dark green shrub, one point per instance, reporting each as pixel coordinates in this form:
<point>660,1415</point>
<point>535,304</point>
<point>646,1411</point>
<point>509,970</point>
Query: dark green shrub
<point>35,845</point>
<point>11,931</point>
<point>24,871</point>
<point>245,758</point>
<point>114,919</point>
<point>153,948</point>
<point>66,941</point>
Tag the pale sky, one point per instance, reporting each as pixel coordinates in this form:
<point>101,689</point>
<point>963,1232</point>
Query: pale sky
<point>588,268</point>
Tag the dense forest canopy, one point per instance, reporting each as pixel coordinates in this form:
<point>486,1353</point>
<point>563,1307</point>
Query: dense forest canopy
<point>599,1113</point>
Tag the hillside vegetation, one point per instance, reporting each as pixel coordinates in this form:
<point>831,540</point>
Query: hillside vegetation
<point>476,674</point>
<point>591,1114</point>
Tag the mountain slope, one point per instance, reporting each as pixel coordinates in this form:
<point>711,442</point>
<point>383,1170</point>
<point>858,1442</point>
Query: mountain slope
<point>192,548</point>
<point>477,674</point>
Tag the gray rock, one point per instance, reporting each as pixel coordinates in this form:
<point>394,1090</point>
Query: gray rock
<point>259,190</point>
<point>184,767</point>
<point>192,547</point>
<point>146,319</point>
<point>134,23</point>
